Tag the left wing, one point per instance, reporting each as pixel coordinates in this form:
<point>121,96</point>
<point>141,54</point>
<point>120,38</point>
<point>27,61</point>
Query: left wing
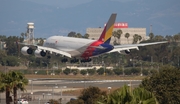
<point>118,48</point>
<point>39,49</point>
<point>54,50</point>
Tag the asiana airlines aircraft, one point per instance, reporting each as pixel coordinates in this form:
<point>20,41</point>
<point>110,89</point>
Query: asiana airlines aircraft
<point>83,49</point>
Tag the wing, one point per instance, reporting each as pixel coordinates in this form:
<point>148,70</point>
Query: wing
<point>54,51</point>
<point>47,49</point>
<point>119,48</point>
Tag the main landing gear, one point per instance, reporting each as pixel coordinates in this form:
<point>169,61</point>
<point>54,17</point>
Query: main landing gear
<point>64,60</point>
<point>85,60</point>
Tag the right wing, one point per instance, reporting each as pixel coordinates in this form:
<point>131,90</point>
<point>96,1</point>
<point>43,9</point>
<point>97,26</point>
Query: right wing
<point>118,48</point>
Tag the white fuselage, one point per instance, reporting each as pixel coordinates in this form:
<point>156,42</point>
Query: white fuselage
<point>74,46</point>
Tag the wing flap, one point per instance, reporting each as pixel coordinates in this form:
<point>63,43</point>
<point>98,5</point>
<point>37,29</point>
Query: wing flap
<point>98,47</point>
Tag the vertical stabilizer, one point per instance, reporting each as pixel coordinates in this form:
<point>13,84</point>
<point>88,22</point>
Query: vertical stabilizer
<point>108,29</point>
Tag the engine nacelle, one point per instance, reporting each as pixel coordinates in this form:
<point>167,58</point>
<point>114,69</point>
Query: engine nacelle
<point>39,53</point>
<point>26,50</point>
<point>125,52</point>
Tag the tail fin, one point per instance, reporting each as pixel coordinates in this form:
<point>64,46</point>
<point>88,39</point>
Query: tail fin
<point>107,32</point>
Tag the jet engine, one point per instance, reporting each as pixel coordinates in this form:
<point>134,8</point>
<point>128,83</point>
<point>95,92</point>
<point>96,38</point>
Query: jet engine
<point>26,50</point>
<point>39,53</point>
<point>125,52</point>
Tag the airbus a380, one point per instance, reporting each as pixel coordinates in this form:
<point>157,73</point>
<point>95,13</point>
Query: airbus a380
<point>85,49</point>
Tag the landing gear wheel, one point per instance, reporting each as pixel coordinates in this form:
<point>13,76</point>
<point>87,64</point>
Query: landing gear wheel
<point>48,57</point>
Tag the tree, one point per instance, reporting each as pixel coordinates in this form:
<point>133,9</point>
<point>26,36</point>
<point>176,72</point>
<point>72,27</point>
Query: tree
<point>41,41</point>
<point>119,32</point>
<point>52,101</point>
<point>91,71</point>
<point>151,36</point>
<point>22,35</point>
<point>78,35</point>
<point>158,38</point>
<point>3,55</point>
<point>11,46</point>
<point>2,37</point>
<point>75,71</point>
<point>12,81</point>
<point>142,96</point>
<point>114,34</point>
<point>5,79</point>
<point>135,70</point>
<point>77,101</point>
<point>127,36</point>
<point>91,94</point>
<point>135,38</point>
<point>168,37</point>
<point>83,72</point>
<point>119,96</point>
<point>101,71</point>
<point>72,34</point>
<point>127,72</point>
<point>165,85</point>
<point>139,37</point>
<point>86,36</point>
<point>67,71</point>
<point>11,61</point>
<point>125,95</point>
<point>18,82</point>
<point>109,72</point>
<point>118,71</point>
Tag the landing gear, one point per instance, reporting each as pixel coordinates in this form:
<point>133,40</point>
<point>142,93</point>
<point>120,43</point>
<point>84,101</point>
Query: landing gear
<point>48,57</point>
<point>64,60</point>
<point>48,54</point>
<point>74,60</point>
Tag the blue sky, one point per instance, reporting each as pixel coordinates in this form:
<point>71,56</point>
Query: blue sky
<point>53,17</point>
<point>61,3</point>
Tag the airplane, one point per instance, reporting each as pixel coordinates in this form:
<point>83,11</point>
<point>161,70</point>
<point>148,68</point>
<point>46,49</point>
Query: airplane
<point>85,49</point>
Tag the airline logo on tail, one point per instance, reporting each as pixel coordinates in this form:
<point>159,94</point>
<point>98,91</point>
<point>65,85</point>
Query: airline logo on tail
<point>107,32</point>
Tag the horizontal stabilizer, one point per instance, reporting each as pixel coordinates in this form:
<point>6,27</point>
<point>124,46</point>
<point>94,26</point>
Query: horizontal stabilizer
<point>98,47</point>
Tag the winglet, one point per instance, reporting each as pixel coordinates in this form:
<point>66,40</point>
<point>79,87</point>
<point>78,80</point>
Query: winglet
<point>107,32</point>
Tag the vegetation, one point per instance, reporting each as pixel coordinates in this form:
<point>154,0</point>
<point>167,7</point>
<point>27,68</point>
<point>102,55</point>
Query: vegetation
<point>149,56</point>
<point>146,60</point>
<point>89,95</point>
<point>123,95</point>
<point>165,85</point>
<point>117,34</point>
<point>159,62</point>
<point>162,87</point>
<point>78,35</point>
<point>11,82</point>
